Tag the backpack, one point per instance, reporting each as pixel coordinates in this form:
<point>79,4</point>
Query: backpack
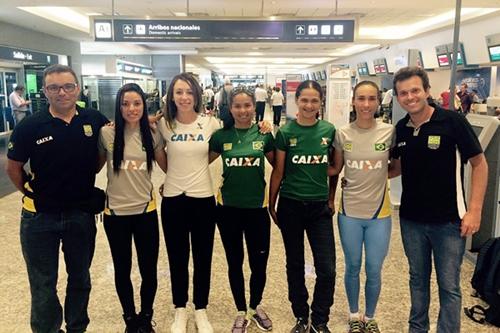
<point>486,282</point>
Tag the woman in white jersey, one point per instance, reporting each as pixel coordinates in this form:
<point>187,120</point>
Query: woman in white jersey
<point>129,148</point>
<point>362,149</point>
<point>188,204</point>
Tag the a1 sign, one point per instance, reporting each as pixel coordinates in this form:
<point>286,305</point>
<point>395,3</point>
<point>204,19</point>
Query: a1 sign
<point>103,30</point>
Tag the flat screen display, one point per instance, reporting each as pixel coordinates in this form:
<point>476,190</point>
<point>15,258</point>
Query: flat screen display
<point>443,60</point>
<point>377,69</point>
<point>459,57</point>
<point>494,52</point>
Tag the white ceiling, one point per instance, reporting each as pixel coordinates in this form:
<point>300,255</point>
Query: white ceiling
<point>370,14</point>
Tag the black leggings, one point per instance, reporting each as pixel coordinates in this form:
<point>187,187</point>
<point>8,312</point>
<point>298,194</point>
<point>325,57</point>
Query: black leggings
<point>254,225</point>
<point>189,222</point>
<point>277,114</point>
<point>144,229</point>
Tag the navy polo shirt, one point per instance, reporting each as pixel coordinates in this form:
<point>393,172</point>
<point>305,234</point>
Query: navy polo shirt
<point>432,160</point>
<point>62,157</point>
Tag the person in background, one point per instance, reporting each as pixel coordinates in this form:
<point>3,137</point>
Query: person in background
<point>58,195</point>
<point>242,205</point>
<point>305,206</point>
<point>18,104</point>
<point>260,97</point>
<point>188,203</point>
<point>432,146</point>
<point>130,148</point>
<point>465,98</point>
<point>277,100</point>
<point>224,115</point>
<point>362,149</point>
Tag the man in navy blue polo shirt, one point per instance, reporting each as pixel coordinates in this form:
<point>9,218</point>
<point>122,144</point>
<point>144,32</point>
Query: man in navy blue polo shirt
<point>432,147</point>
<point>61,146</point>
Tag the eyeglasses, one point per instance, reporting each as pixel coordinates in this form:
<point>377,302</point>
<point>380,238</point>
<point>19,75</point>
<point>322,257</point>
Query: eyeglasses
<point>67,87</point>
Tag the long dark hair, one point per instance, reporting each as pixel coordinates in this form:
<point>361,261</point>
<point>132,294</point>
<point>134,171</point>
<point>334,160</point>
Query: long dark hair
<point>170,111</point>
<point>146,137</point>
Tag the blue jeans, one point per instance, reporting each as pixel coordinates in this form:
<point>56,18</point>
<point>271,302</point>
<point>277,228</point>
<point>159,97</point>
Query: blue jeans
<point>314,218</point>
<point>375,234</point>
<point>41,235</point>
<point>441,241</point>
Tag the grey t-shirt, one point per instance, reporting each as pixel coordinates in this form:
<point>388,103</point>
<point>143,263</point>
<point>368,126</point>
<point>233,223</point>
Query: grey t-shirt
<point>366,157</point>
<point>131,191</point>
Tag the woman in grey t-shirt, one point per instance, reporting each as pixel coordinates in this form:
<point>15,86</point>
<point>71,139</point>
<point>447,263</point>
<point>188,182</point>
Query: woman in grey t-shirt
<point>130,148</point>
<point>362,149</point>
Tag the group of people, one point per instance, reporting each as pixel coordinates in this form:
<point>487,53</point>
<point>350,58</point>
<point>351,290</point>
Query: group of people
<point>463,99</point>
<point>307,155</point>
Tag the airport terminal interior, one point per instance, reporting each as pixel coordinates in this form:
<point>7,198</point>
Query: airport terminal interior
<point>267,43</point>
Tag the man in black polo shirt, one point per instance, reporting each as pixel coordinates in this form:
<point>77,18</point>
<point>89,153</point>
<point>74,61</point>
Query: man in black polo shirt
<point>61,146</point>
<point>432,147</point>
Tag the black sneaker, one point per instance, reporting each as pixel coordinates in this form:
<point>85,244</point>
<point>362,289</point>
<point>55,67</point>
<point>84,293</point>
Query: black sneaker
<point>320,328</point>
<point>145,323</point>
<point>301,326</point>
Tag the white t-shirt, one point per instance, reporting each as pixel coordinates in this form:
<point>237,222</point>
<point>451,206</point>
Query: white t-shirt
<point>277,98</point>
<point>260,94</point>
<point>187,157</point>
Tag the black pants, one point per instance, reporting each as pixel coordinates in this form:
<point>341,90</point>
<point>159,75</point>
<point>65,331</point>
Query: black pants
<point>277,114</point>
<point>120,231</point>
<point>255,226</point>
<point>260,107</point>
<point>314,218</point>
<point>189,222</point>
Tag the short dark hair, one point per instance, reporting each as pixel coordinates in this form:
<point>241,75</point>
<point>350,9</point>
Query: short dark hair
<point>309,84</point>
<point>407,72</point>
<point>171,109</point>
<point>19,87</point>
<point>58,68</point>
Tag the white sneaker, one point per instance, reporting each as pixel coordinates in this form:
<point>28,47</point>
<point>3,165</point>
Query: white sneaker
<point>180,321</point>
<point>202,323</point>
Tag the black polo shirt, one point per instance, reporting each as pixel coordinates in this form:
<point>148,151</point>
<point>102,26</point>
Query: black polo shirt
<point>432,160</point>
<point>62,157</point>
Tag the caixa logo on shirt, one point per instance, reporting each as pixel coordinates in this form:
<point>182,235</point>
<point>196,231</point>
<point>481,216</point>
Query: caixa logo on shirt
<point>45,139</point>
<point>187,137</point>
<point>242,162</point>
<point>309,159</point>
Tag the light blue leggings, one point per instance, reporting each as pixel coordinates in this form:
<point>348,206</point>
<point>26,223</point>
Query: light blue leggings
<point>375,235</point>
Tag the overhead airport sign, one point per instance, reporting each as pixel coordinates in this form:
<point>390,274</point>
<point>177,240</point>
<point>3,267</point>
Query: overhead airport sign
<point>224,31</point>
<point>23,55</point>
<point>127,67</point>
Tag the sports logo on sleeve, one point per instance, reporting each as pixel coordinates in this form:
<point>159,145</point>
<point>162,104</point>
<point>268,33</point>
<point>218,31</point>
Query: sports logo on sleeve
<point>10,146</point>
<point>433,141</point>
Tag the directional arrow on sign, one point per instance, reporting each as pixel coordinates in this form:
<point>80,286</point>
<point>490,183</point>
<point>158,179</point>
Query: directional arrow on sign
<point>300,29</point>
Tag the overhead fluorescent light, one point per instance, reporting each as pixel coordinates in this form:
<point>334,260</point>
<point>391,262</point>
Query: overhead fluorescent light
<point>62,15</point>
<point>434,22</point>
<point>93,14</point>
<point>267,60</point>
<point>180,14</point>
<point>255,53</point>
<point>357,48</point>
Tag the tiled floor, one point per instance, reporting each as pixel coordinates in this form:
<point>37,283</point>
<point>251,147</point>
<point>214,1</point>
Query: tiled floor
<point>105,312</point>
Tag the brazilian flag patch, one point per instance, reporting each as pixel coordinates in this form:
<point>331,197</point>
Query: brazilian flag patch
<point>380,146</point>
<point>258,145</point>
